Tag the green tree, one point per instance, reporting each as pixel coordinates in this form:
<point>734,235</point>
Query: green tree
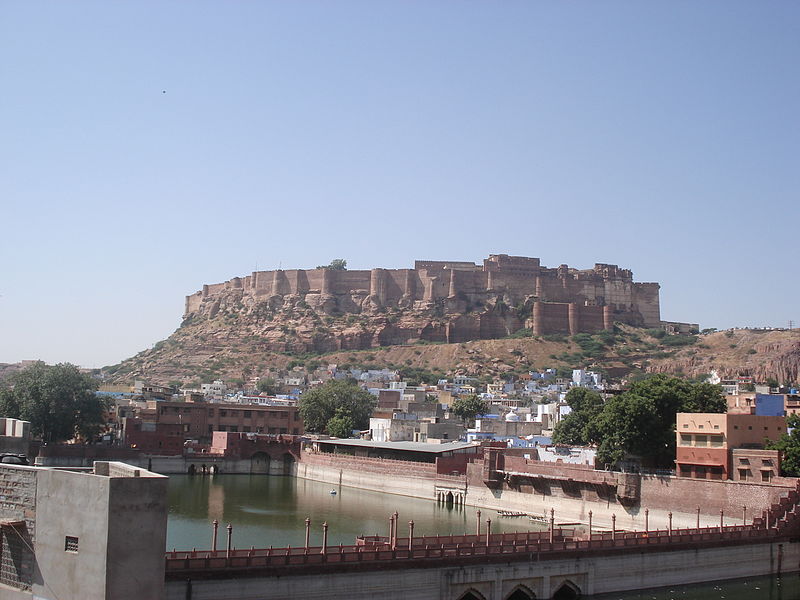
<point>641,421</point>
<point>468,407</point>
<point>341,425</point>
<point>60,402</point>
<point>319,405</point>
<point>337,264</point>
<point>267,385</point>
<point>579,427</point>
<point>789,445</point>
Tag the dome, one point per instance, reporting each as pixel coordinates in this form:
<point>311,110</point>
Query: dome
<point>512,416</point>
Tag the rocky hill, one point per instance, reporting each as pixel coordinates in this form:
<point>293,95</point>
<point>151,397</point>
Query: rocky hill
<point>236,346</point>
<point>507,315</point>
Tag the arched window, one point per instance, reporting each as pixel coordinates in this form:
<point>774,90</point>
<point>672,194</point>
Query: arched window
<point>567,591</point>
<point>521,593</point>
<point>471,595</point>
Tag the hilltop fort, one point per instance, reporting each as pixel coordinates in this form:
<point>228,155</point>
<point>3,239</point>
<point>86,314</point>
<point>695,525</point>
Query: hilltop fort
<point>459,301</point>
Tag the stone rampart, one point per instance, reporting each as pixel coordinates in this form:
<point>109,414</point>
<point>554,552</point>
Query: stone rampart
<point>494,299</point>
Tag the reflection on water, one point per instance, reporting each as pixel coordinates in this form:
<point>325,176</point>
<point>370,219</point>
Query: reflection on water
<point>755,588</point>
<point>271,511</point>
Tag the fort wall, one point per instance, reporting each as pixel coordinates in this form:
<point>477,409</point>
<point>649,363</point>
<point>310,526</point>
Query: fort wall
<point>464,301</point>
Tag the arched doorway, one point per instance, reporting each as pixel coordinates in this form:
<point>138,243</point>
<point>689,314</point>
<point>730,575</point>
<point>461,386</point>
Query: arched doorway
<point>288,464</point>
<point>567,591</point>
<point>192,470</point>
<point>521,593</point>
<point>259,462</point>
<point>449,498</point>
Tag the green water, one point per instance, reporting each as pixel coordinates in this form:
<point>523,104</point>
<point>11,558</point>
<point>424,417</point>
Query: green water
<point>756,588</point>
<point>271,511</point>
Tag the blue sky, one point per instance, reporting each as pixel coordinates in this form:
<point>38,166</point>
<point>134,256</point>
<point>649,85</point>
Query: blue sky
<point>150,147</point>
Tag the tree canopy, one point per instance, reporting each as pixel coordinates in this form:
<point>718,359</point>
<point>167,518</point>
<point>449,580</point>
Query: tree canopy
<point>641,421</point>
<point>789,445</point>
<point>579,427</point>
<point>468,407</point>
<point>59,401</point>
<point>268,386</point>
<point>337,264</point>
<point>338,405</point>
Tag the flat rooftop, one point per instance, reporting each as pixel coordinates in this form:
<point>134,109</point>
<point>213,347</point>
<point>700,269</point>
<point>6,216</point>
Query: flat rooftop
<point>403,446</point>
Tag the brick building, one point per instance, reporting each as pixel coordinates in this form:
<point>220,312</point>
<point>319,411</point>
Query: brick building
<point>199,420</point>
<point>706,441</point>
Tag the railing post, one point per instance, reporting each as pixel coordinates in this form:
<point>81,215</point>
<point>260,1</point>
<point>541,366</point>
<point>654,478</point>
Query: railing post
<point>698,517</point>
<point>308,531</point>
<point>230,536</point>
<point>478,524</point>
<point>590,528</point>
<point>647,519</point>
<point>488,531</point>
<point>215,525</point>
<point>391,529</point>
<point>721,519</point>
<point>669,531</point>
<point>613,527</point>
<point>744,515</point>
<point>410,535</point>
<point>394,535</point>
<point>552,525</point>
<point>324,538</point>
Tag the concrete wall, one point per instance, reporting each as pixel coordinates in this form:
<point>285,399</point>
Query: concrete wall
<point>136,537</point>
<point>71,504</point>
<point>118,515</point>
<point>593,574</point>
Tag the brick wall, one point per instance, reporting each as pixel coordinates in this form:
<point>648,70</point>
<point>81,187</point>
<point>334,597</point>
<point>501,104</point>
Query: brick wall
<point>17,503</point>
<point>371,465</point>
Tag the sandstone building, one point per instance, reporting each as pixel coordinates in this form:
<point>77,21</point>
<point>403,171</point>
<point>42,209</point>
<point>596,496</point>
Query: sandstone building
<point>464,300</point>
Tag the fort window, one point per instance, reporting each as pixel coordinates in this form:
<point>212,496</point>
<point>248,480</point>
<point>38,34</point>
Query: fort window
<point>765,475</point>
<point>766,462</point>
<point>223,413</point>
<point>70,544</point>
<point>744,461</point>
<point>716,441</point>
<point>743,474</point>
<point>750,427</point>
<point>701,440</point>
<point>686,426</point>
<point>736,427</point>
<point>716,426</point>
<point>686,439</point>
<point>248,414</point>
<point>210,412</point>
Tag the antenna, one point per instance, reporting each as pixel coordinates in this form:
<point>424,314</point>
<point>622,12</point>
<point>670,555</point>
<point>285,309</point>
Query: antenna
<point>791,324</point>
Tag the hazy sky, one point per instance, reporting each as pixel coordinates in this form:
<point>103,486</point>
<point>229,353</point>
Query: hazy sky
<point>147,148</point>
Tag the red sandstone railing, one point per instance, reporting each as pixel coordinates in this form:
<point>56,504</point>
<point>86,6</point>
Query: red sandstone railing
<point>507,545</point>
